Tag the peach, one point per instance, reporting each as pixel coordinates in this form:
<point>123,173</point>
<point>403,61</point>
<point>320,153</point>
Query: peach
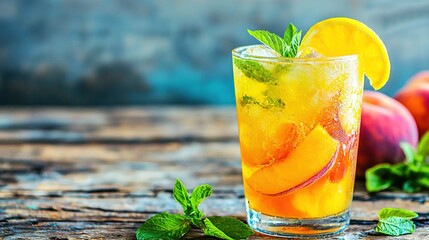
<point>385,124</point>
<point>419,79</point>
<point>415,97</point>
<point>310,161</point>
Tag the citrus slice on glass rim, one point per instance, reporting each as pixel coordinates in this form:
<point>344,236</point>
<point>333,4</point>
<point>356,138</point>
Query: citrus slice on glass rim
<point>335,37</point>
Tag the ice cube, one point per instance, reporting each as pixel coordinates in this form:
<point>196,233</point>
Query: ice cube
<point>260,51</point>
<point>308,52</point>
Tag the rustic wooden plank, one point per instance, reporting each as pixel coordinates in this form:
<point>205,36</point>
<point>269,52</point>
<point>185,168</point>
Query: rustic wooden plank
<point>129,206</point>
<point>117,125</point>
<point>137,167</point>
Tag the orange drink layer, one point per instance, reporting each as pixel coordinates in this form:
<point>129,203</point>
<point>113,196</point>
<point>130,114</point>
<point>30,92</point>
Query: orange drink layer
<point>298,121</point>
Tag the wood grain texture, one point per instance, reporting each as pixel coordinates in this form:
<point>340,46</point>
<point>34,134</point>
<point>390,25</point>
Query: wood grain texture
<point>100,173</point>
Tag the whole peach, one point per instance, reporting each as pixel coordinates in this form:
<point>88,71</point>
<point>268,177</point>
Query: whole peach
<point>419,79</point>
<point>415,97</point>
<point>385,124</point>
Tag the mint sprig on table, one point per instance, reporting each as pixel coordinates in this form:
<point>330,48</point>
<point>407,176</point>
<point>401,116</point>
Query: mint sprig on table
<point>174,226</point>
<point>409,176</point>
<point>395,221</point>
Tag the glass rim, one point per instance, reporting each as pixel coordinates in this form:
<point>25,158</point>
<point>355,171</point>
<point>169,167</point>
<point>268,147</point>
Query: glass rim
<point>236,52</point>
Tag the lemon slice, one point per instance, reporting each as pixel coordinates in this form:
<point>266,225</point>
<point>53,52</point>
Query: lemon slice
<point>336,37</point>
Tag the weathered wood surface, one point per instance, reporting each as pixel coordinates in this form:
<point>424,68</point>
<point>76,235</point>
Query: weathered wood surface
<point>100,173</point>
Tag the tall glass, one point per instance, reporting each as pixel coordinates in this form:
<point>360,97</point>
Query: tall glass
<point>298,121</point>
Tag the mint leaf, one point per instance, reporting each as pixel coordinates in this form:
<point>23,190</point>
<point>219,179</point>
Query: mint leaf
<point>268,103</point>
<point>272,40</point>
<point>395,221</point>
<point>395,226</point>
<point>180,193</point>
<point>411,186</point>
<point>164,226</point>
<point>408,151</point>
<point>423,176</point>
<point>378,178</point>
<point>289,33</point>
<point>273,102</point>
<point>396,212</point>
<point>294,44</point>
<point>228,228</point>
<point>211,230</point>
<point>423,148</point>
<point>254,70</point>
<point>424,181</point>
<point>197,196</point>
<point>286,46</point>
<point>200,193</point>
<point>399,170</point>
<point>248,100</point>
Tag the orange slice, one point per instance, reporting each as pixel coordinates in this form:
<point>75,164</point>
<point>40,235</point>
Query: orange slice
<point>310,161</point>
<point>336,37</point>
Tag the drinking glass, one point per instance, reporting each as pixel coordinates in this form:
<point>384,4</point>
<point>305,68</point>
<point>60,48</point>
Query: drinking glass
<point>298,121</point>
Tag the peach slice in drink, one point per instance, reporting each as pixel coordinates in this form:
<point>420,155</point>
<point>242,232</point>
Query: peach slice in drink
<point>310,161</point>
<point>285,140</point>
<point>260,148</point>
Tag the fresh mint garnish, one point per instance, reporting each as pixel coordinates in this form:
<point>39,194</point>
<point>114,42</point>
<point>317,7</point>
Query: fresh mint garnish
<point>254,70</point>
<point>174,226</point>
<point>395,221</point>
<point>410,176</point>
<point>286,46</point>
<point>272,40</point>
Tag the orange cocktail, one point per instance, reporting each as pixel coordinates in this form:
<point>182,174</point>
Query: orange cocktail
<point>298,131</point>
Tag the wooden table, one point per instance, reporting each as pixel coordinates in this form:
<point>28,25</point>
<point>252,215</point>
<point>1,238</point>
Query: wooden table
<point>100,173</point>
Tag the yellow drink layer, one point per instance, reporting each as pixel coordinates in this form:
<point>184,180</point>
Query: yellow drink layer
<point>298,125</point>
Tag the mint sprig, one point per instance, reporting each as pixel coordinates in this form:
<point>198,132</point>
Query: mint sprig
<point>409,176</point>
<point>174,226</point>
<point>286,46</point>
<point>395,221</point>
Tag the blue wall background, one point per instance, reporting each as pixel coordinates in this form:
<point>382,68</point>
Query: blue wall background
<point>89,52</point>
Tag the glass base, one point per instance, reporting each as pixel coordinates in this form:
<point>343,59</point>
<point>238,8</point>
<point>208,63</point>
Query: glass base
<point>294,227</point>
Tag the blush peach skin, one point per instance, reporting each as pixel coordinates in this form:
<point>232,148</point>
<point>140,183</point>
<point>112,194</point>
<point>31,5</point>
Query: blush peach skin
<point>385,124</point>
<point>415,97</point>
